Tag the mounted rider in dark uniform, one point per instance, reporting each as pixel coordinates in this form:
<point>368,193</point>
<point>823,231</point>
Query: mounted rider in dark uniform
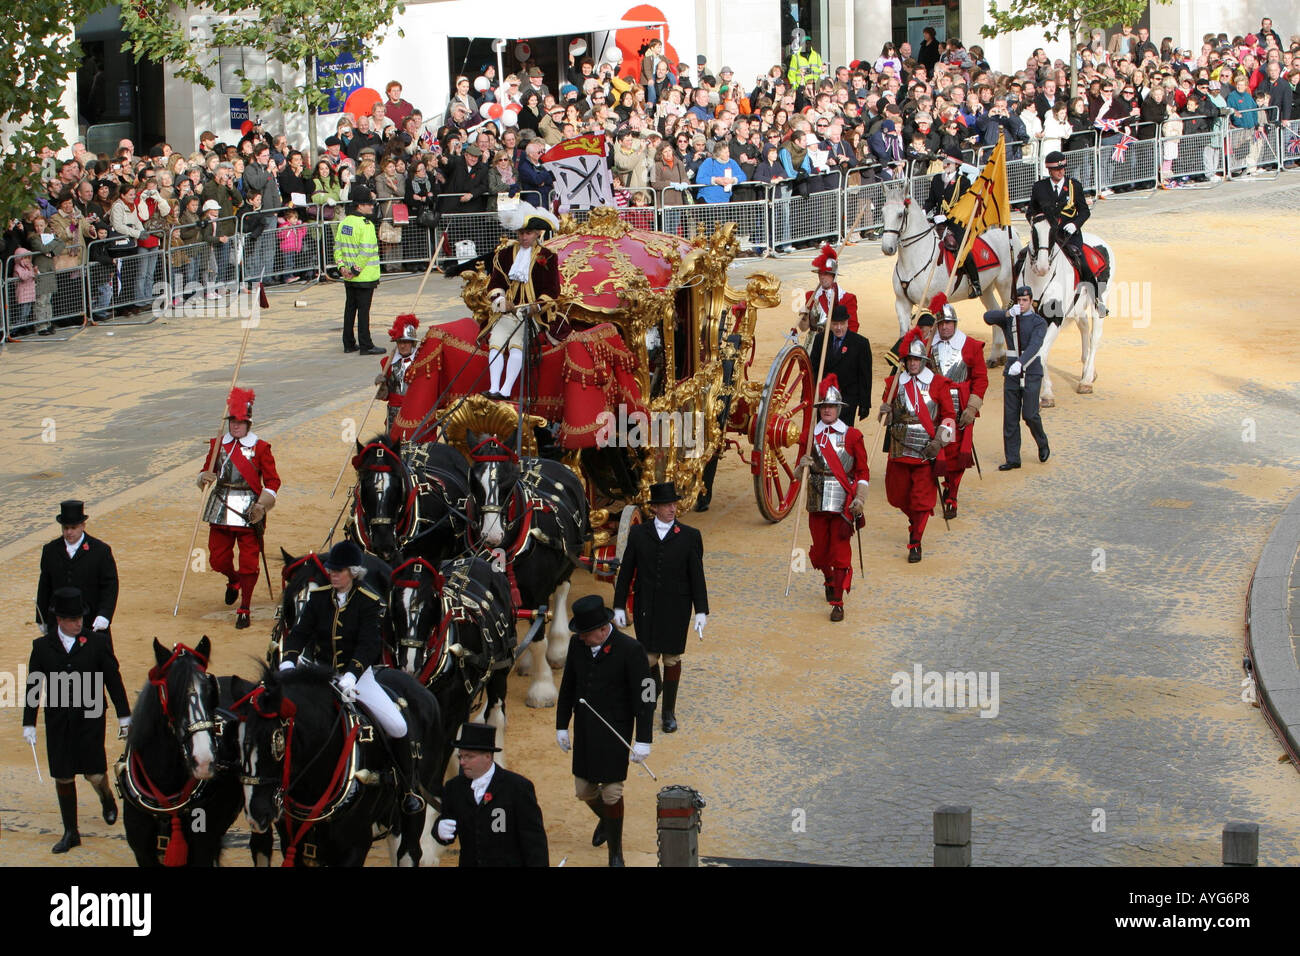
<point>1061,200</point>
<point>945,189</point>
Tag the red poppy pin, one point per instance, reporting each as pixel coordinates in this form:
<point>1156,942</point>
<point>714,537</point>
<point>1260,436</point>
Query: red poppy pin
<point>606,651</point>
<point>81,640</point>
<point>843,349</point>
<point>677,529</point>
<point>85,546</point>
<point>487,797</point>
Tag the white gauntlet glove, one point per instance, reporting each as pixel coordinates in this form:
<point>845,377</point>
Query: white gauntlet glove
<point>700,620</point>
<point>347,685</point>
<point>620,617</point>
<point>562,738</point>
<point>101,623</point>
<point>497,301</point>
<point>29,735</point>
<point>446,830</point>
<point>1013,369</point>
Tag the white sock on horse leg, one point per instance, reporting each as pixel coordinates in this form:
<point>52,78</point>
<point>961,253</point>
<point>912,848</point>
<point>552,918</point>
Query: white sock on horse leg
<point>513,365</point>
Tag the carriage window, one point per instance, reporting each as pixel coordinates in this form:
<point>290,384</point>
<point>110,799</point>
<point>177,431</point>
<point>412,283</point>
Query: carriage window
<point>684,331</point>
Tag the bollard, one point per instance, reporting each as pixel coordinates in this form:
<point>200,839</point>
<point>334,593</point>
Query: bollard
<point>952,836</point>
<point>1241,844</point>
<point>678,825</point>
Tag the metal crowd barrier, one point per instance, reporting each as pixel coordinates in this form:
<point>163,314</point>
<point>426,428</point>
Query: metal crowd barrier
<point>1250,149</point>
<point>1195,156</point>
<point>461,236</point>
<point>139,282</point>
<point>1289,142</point>
<point>35,304</point>
<point>1139,165</point>
<point>815,217</point>
<point>699,217</point>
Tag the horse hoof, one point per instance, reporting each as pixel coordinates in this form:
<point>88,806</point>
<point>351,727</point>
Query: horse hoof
<point>1084,389</point>
<point>1047,403</point>
<point>541,697</point>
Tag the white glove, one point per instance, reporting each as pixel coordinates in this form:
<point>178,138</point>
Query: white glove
<point>29,735</point>
<point>700,619</point>
<point>446,830</point>
<point>347,685</point>
<point>940,218</point>
<point>1013,369</point>
<point>123,725</point>
<point>620,617</point>
<point>1014,310</point>
<point>562,738</point>
<point>640,751</point>
<point>288,665</point>
<point>101,623</point>
<point>497,301</point>
<point>1071,228</point>
<point>41,628</point>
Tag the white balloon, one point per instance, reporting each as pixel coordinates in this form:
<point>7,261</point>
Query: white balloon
<point>482,84</point>
<point>510,118</point>
<point>578,47</point>
<point>483,110</point>
<point>614,56</point>
<point>522,52</point>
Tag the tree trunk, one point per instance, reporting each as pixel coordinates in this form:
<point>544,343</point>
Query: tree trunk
<point>1074,59</point>
<point>311,117</point>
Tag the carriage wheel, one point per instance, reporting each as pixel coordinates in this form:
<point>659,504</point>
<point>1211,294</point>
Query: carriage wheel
<point>631,516</point>
<point>784,418</point>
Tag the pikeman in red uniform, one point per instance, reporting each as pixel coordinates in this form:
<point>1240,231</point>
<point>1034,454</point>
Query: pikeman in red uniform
<point>960,359</point>
<point>837,492</point>
<point>392,375</point>
<point>921,422</point>
<point>247,483</point>
<point>819,304</point>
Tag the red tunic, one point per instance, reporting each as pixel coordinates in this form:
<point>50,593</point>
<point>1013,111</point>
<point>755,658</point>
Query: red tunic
<point>910,480</point>
<point>832,550</point>
<point>261,474</point>
<point>829,298</point>
<point>958,454</point>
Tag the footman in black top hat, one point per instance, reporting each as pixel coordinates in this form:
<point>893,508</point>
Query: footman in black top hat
<point>79,561</point>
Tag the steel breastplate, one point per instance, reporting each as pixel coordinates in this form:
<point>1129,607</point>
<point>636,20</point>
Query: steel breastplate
<point>954,370</point>
<point>825,493</point>
<point>232,497</point>
<point>397,384</point>
<point>908,436</point>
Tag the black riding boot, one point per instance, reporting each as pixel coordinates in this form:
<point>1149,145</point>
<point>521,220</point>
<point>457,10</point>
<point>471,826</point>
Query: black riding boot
<point>105,790</point>
<point>67,793</point>
<point>668,703</point>
<point>407,754</point>
<point>973,274</point>
<point>614,830</point>
<point>598,834</point>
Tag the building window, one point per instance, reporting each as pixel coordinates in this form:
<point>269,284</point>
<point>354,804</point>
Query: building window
<point>234,59</point>
<point>808,16</point>
<point>910,17</point>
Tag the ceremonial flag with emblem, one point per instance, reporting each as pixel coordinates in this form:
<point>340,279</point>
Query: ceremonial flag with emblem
<point>1121,148</point>
<point>987,204</point>
<point>1107,125</point>
<point>582,178</point>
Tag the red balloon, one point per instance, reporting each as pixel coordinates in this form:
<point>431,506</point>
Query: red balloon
<point>514,107</point>
<point>495,111</point>
<point>361,101</point>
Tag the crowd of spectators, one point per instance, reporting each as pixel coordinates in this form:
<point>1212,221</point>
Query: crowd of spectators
<point>676,136</point>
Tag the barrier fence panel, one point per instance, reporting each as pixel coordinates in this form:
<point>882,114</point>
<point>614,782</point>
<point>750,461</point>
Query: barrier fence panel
<point>638,217</point>
<point>1252,148</point>
<point>1136,165</point>
<point>701,218</point>
<point>1021,176</point>
<point>813,218</point>
<point>1082,165</point>
<point>412,248</point>
<point>193,259</point>
<point>274,249</point>
<point>35,301</point>
<point>1195,156</point>
<point>129,284</point>
<point>1289,142</point>
<point>864,204</point>
<point>462,236</point>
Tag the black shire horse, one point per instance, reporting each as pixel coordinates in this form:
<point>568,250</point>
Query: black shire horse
<point>323,772</point>
<point>410,500</point>
<point>454,629</point>
<point>296,579</point>
<point>178,802</point>
<point>531,516</point>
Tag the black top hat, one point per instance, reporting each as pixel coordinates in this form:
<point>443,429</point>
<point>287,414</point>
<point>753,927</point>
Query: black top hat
<point>840,313</point>
<point>343,556</point>
<point>589,614</point>
<point>664,493</point>
<point>67,602</point>
<point>477,737</point>
<point>71,512</point>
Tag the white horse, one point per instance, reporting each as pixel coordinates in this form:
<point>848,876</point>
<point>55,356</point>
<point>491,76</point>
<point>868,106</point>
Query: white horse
<point>909,234</point>
<point>1051,276</point>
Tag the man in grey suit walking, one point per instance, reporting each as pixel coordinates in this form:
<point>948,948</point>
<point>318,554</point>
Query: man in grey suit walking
<point>1024,330</point>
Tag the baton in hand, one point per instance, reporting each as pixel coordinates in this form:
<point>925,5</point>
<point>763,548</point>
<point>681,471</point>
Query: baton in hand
<point>36,760</point>
<point>583,701</point>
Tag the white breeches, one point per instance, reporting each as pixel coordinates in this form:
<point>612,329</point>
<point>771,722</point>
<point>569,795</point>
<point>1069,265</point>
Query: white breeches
<point>507,331</point>
<point>380,705</point>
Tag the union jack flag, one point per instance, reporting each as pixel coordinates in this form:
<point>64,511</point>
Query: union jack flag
<point>1121,148</point>
<point>1293,146</point>
<point>1107,125</point>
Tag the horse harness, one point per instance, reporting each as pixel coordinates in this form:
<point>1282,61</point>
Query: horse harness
<point>416,482</point>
